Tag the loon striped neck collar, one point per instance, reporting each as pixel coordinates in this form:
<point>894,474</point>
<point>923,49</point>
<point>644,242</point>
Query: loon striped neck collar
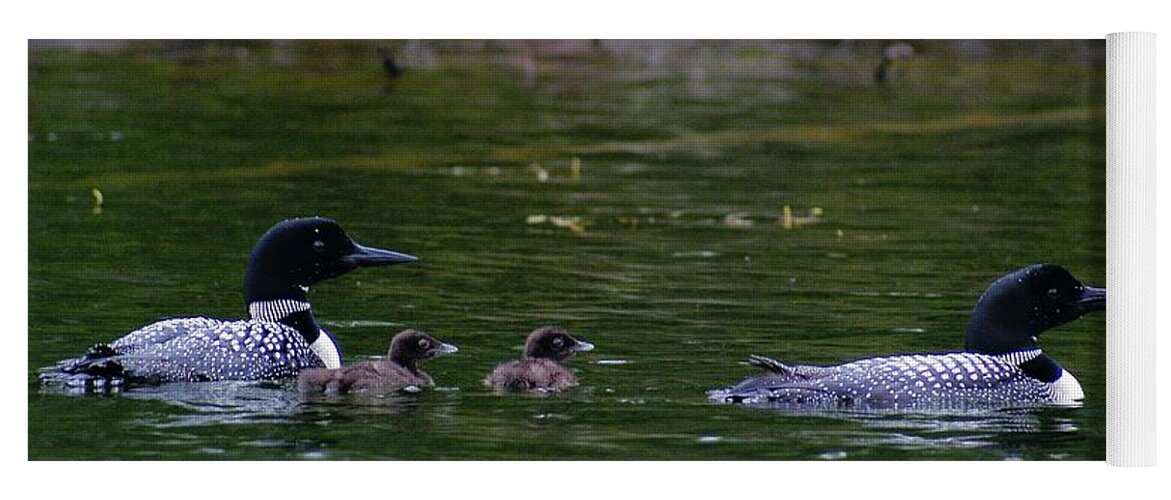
<point>1019,357</point>
<point>276,310</point>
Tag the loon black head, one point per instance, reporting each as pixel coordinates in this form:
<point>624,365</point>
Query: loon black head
<point>1016,308</point>
<point>409,347</point>
<point>297,253</point>
<point>553,343</point>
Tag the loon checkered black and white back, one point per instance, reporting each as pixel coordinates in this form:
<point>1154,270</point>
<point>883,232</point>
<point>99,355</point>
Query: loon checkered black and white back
<point>1001,365</point>
<point>279,338</point>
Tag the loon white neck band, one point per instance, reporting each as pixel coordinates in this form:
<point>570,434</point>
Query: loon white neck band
<point>325,348</point>
<point>1019,357</point>
<point>276,310</point>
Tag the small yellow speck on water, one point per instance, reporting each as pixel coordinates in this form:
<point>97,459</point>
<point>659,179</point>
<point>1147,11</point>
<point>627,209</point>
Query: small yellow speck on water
<point>841,233</point>
<point>575,168</point>
<point>96,200</point>
<point>787,217</point>
<point>816,212</point>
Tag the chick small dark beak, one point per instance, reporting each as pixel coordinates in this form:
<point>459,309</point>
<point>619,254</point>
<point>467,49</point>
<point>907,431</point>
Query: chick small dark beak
<point>369,256</point>
<point>1092,299</point>
<point>444,348</point>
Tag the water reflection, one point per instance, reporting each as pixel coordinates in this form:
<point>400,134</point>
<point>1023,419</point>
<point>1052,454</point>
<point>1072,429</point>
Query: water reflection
<point>251,403</point>
<point>933,430</point>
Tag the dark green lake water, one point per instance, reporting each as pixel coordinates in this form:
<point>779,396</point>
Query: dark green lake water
<point>667,252</point>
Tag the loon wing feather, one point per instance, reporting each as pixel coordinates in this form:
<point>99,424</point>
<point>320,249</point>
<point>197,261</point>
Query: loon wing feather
<point>161,332</point>
<point>769,364</point>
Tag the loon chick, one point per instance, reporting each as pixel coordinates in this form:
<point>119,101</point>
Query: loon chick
<point>541,368</point>
<point>1000,366</point>
<point>399,370</point>
<point>279,339</point>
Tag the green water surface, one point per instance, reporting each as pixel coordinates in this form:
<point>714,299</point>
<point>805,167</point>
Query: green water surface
<point>668,250</point>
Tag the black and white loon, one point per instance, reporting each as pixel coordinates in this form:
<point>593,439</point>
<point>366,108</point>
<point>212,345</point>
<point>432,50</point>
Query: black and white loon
<point>278,339</point>
<point>1001,365</point>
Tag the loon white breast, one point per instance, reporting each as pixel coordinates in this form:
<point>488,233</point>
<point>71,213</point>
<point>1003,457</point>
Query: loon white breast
<point>1000,366</point>
<point>280,337</point>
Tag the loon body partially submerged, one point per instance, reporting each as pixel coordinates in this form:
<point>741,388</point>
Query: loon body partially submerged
<point>1001,365</point>
<point>540,370</point>
<point>399,371</point>
<point>280,337</point>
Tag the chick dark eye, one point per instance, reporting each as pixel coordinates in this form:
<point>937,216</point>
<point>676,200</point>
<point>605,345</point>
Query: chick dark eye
<point>424,344</point>
<point>318,246</point>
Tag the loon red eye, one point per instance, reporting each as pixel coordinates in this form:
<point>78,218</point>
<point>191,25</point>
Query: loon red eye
<point>318,246</point>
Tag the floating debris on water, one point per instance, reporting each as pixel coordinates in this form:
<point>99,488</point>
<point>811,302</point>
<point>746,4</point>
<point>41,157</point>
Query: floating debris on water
<point>612,362</point>
<point>463,170</point>
<point>542,174</point>
<point>909,330</point>
<point>709,439</point>
<point>840,233</point>
<point>96,201</point>
<point>701,254</point>
<point>737,220</point>
<point>832,455</point>
<point>551,416</point>
<point>575,168</point>
<point>790,221</point>
<point>571,222</point>
<point>629,221</point>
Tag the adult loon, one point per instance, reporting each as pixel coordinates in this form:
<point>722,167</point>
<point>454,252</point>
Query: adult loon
<point>280,337</point>
<point>1000,366</point>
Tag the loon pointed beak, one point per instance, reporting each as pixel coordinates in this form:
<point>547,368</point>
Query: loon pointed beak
<point>582,346</point>
<point>369,256</point>
<point>1092,299</point>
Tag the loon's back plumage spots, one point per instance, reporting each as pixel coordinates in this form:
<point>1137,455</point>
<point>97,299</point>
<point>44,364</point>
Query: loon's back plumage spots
<point>202,350</point>
<point>280,338</point>
<point>1002,365</point>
